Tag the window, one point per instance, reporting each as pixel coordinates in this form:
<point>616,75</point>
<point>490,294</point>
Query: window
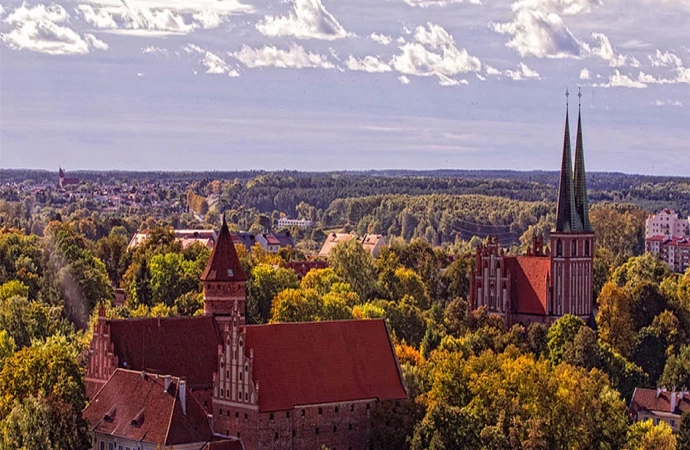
<point>102,445</point>
<point>586,248</point>
<point>220,412</point>
<point>559,248</point>
<point>335,428</point>
<point>336,409</point>
<point>302,413</point>
<point>275,437</point>
<point>287,414</point>
<point>320,411</point>
<point>352,408</point>
<point>111,446</point>
<point>317,430</point>
<point>270,416</point>
<point>293,433</point>
<point>246,396</point>
<point>237,414</point>
<point>227,374</point>
<point>349,427</point>
<point>227,413</point>
<point>238,435</point>
<point>240,376</point>
<point>245,416</point>
<point>573,249</point>
<point>673,423</point>
<point>367,406</point>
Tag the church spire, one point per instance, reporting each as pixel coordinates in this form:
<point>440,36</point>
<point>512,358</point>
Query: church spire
<point>224,264</point>
<point>567,219</point>
<point>579,177</point>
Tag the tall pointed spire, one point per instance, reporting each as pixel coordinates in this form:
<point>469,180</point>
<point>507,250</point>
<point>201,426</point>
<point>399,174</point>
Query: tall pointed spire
<point>224,264</point>
<point>567,219</point>
<point>579,177</point>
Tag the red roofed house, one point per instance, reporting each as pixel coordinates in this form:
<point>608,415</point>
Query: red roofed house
<point>545,284</point>
<point>278,386</point>
<point>659,405</point>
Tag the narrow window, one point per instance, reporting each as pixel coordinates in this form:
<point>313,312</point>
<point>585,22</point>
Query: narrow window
<point>220,412</point>
<point>270,416</point>
<point>275,437</point>
<point>336,409</point>
<point>287,414</point>
<point>320,411</point>
<point>335,428</point>
<point>245,416</point>
<point>293,433</point>
<point>574,249</point>
<point>317,430</point>
<point>237,414</point>
<point>302,413</point>
<point>559,248</point>
<point>352,408</point>
<point>586,248</point>
<point>349,427</point>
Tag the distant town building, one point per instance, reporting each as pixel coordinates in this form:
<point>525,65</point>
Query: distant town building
<point>544,284</point>
<point>302,268</point>
<point>276,386</point>
<point>673,250</point>
<point>302,223</point>
<point>370,242</point>
<point>666,223</point>
<point>659,405</point>
<point>275,241</point>
<point>64,181</point>
<point>186,237</point>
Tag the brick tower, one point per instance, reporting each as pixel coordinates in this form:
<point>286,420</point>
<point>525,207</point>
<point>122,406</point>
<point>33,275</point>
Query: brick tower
<point>224,280</point>
<point>572,242</point>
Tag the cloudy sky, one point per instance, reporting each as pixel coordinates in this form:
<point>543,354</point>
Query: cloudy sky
<point>346,84</point>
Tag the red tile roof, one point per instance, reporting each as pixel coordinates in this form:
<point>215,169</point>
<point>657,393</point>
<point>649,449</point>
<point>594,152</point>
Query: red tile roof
<point>529,282</point>
<point>136,406</point>
<point>271,239</point>
<point>323,362</point>
<point>301,268</point>
<point>650,400</point>
<point>180,346</point>
<point>224,264</point>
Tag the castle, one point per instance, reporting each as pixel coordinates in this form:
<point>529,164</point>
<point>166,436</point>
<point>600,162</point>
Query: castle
<point>546,283</point>
<point>277,386</point>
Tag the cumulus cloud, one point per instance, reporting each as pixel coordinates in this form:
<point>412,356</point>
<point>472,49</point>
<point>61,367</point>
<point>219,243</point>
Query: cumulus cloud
<point>564,7</point>
<point>190,7</point>
<point>434,53</point>
<point>428,3</point>
<point>621,80</point>
<point>307,20</point>
<point>40,29</point>
<point>675,103</point>
<point>604,50</point>
<point>665,59</point>
<point>100,19</point>
<point>523,73</point>
<point>155,51</point>
<point>584,74</point>
<point>403,79</point>
<point>214,64</point>
<point>209,19</point>
<point>296,57</point>
<point>446,81</point>
<point>2,11</point>
<point>371,64</point>
<point>382,39</point>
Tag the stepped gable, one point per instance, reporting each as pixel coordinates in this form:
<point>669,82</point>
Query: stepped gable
<point>180,346</point>
<point>136,406</point>
<point>530,276</point>
<point>323,362</point>
<point>224,264</point>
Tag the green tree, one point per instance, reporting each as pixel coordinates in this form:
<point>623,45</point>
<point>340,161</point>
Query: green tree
<point>7,347</point>
<point>265,282</point>
<point>295,305</point>
<point>639,269</point>
<point>356,267</point>
<point>172,276</point>
<point>561,335</point>
<point>112,250</point>
<point>677,369</point>
<point>614,319</point>
<point>455,317</point>
<point>684,432</point>
<point>142,285</point>
<point>647,436</point>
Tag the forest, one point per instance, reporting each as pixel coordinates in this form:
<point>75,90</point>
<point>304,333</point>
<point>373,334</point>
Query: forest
<point>473,382</point>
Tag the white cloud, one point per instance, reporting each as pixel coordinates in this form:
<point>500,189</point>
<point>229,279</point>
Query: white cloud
<point>675,103</point>
<point>39,29</point>
<point>2,11</point>
<point>371,64</point>
<point>214,64</point>
<point>448,81</point>
<point>190,7</point>
<point>565,7</point>
<point>665,59</point>
<point>621,80</point>
<point>491,70</point>
<point>382,39</point>
<point>296,57</point>
<point>428,3</point>
<point>604,50</point>
<point>99,19</point>
<point>209,19</point>
<point>403,79</point>
<point>523,73</point>
<point>481,78</point>
<point>539,33</point>
<point>308,20</point>
<point>155,51</point>
<point>584,74</point>
<point>434,54</point>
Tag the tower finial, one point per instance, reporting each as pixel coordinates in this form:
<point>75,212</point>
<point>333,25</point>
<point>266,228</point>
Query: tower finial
<point>579,97</point>
<point>567,94</point>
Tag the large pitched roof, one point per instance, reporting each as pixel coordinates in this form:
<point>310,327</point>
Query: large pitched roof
<point>530,276</point>
<point>323,362</point>
<point>180,346</point>
<point>224,264</point>
<point>135,405</point>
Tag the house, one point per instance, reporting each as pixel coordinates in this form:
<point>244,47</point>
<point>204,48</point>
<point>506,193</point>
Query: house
<point>667,223</point>
<point>139,410</point>
<point>284,222</point>
<point>186,237</point>
<point>672,249</point>
<point>276,386</point>
<point>275,241</point>
<point>659,405</point>
<point>546,283</point>
<point>302,268</point>
<point>370,242</point>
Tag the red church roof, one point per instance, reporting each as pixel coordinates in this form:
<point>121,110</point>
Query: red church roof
<point>659,401</point>
<point>323,362</point>
<point>529,274</point>
<point>136,406</point>
<point>224,264</point>
<point>181,346</point>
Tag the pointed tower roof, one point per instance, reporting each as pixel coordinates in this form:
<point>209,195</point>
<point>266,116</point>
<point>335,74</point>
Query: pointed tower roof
<point>567,219</point>
<point>224,264</point>
<point>579,177</point>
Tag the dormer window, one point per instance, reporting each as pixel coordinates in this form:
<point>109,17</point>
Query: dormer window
<point>229,272</point>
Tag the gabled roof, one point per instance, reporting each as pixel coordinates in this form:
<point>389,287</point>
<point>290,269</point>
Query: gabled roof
<point>332,240</point>
<point>285,239</point>
<point>224,264</point>
<point>658,401</point>
<point>323,362</point>
<point>271,239</point>
<point>181,346</point>
<point>135,405</point>
<point>244,238</point>
<point>530,276</point>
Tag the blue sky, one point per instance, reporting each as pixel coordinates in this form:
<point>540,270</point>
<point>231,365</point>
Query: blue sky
<point>352,84</point>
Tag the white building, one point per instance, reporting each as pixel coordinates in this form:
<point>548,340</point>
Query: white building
<point>302,223</point>
<point>666,223</point>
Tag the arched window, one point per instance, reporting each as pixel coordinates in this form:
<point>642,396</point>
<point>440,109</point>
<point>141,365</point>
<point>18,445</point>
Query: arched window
<point>586,248</point>
<point>559,248</point>
<point>573,249</point>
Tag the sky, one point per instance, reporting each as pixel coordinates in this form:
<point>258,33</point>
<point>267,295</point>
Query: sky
<point>343,85</point>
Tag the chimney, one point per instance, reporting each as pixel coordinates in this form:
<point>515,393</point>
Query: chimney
<point>182,392</point>
<point>674,402</point>
<point>168,381</point>
<point>658,392</point>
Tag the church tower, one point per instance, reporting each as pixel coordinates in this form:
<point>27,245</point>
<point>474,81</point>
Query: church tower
<point>572,242</point>
<point>224,280</point>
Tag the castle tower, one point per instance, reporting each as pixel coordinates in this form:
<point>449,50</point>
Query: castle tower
<point>224,280</point>
<point>572,242</point>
